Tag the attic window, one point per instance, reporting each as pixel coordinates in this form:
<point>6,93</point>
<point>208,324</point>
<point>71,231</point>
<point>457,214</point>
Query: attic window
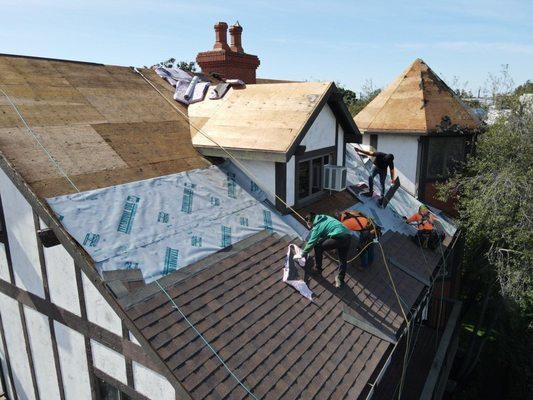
<point>107,391</point>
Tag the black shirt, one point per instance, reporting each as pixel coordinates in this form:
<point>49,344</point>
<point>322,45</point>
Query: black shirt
<point>383,160</point>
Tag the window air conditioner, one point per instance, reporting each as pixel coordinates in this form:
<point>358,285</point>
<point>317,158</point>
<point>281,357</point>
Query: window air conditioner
<point>334,178</point>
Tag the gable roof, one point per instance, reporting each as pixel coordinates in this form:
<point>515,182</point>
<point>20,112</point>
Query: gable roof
<point>274,340</point>
<point>269,118</point>
<point>415,102</point>
<point>104,125</point>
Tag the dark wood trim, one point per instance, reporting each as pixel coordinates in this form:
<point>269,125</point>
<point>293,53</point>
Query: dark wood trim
<point>129,364</point>
<point>46,286</point>
<point>12,278</point>
<point>28,350</point>
<point>4,383</point>
<point>75,322</point>
<point>342,114</point>
<point>281,186</point>
<point>119,385</point>
<point>88,350</point>
<point>336,140</point>
<point>316,153</point>
<point>85,262</point>
<point>423,168</point>
<point>8,363</point>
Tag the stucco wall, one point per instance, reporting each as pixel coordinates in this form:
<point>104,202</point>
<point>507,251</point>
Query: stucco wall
<point>43,356</point>
<point>265,173</point>
<point>18,356</point>
<point>322,132</point>
<point>405,150</point>
<point>151,384</point>
<point>20,228</point>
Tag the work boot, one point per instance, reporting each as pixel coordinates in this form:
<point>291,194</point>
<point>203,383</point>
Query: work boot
<point>316,270</point>
<point>338,282</point>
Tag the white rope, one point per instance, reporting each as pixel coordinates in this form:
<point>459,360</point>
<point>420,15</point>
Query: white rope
<point>206,342</point>
<point>36,138</point>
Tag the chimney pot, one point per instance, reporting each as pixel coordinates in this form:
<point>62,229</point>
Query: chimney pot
<point>235,32</point>
<point>221,36</point>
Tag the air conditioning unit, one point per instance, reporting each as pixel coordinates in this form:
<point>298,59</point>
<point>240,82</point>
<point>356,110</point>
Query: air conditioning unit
<point>334,178</point>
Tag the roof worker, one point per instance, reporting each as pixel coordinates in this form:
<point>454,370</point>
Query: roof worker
<point>382,161</point>
<point>365,231</point>
<point>328,233</point>
<point>424,220</point>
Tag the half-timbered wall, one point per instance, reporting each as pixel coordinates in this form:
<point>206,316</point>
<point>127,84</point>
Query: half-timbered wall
<point>57,332</point>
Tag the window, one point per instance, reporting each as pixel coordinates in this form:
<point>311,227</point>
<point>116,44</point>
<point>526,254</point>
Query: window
<point>374,142</point>
<point>106,391</point>
<point>444,155</point>
<point>309,176</point>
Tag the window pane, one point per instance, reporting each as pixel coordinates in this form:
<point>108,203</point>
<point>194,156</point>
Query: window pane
<point>317,175</point>
<point>444,155</point>
<point>304,178</point>
<point>107,392</point>
<point>326,160</point>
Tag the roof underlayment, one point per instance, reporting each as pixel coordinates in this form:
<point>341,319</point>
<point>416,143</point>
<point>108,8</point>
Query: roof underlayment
<point>162,224</point>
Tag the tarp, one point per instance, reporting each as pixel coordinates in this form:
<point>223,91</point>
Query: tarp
<point>165,223</point>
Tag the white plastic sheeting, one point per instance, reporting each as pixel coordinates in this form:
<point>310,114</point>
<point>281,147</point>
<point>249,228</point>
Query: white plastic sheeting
<point>165,223</point>
<point>402,203</point>
<point>289,272</point>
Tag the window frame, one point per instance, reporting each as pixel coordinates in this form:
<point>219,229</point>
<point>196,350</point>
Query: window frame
<point>309,157</point>
<point>441,145</point>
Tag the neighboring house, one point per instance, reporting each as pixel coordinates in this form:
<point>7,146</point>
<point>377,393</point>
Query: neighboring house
<point>424,124</point>
<point>127,259</point>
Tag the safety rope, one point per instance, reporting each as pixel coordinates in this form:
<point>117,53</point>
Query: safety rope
<point>36,138</point>
<point>251,175</point>
<point>206,342</point>
<point>233,158</point>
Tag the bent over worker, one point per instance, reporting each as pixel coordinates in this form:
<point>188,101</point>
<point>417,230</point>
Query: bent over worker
<point>382,161</point>
<point>327,233</point>
<point>426,236</point>
<point>361,226</point>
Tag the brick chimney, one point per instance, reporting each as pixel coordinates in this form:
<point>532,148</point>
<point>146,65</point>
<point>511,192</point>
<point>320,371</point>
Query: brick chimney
<point>230,62</point>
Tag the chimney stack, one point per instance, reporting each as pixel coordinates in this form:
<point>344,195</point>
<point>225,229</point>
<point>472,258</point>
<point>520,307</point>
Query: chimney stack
<point>221,36</point>
<point>230,62</point>
<point>236,43</point>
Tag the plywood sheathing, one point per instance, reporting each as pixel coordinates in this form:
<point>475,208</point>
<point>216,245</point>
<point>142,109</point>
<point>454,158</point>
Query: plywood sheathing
<point>415,102</point>
<point>104,125</point>
<point>264,117</point>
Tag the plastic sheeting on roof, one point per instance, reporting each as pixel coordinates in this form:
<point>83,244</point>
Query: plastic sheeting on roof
<point>402,204</point>
<point>162,224</point>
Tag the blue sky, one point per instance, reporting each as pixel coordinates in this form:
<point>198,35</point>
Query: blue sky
<point>345,41</point>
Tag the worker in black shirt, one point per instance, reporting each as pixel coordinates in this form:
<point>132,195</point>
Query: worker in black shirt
<point>382,161</point>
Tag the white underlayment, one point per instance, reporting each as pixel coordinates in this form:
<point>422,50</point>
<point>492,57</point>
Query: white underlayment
<point>402,204</point>
<point>165,223</point>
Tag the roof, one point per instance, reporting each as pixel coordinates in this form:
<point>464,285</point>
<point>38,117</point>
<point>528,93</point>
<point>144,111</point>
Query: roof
<point>268,118</point>
<point>277,342</point>
<point>415,102</point>
<point>103,124</point>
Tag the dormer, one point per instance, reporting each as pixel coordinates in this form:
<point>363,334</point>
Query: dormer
<point>283,133</point>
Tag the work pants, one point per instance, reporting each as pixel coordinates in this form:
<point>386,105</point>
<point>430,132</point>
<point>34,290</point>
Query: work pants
<point>382,178</point>
<point>339,243</point>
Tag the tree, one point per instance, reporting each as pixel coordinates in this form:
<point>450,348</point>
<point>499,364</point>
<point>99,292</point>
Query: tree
<point>368,93</point>
<point>495,206</point>
<point>171,63</point>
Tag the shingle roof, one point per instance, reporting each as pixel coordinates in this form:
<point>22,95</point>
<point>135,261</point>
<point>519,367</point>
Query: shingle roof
<point>276,341</point>
<point>415,102</point>
<point>103,124</point>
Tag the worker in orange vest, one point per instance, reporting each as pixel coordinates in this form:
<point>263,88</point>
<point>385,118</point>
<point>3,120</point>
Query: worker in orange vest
<point>424,220</point>
<point>364,229</point>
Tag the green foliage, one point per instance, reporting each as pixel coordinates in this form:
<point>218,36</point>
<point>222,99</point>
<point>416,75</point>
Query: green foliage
<point>171,63</point>
<point>496,204</point>
<point>526,87</point>
<point>355,104</point>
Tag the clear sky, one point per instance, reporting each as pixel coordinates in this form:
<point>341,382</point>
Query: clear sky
<point>344,41</point>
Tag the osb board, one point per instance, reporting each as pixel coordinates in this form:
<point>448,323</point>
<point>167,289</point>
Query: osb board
<point>103,124</point>
<point>146,143</point>
<point>77,149</point>
<point>267,117</point>
<point>416,101</point>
